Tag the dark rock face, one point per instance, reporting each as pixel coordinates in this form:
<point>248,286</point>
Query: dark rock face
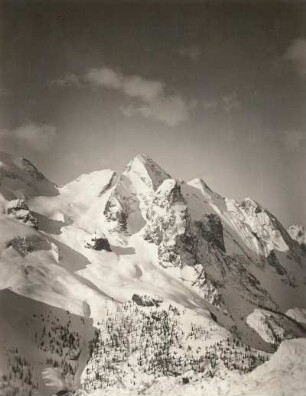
<point>169,226</point>
<point>115,213</point>
<point>251,206</point>
<point>180,240</point>
<point>26,245</point>
<point>145,301</point>
<point>211,230</point>
<point>99,244</point>
<point>32,170</point>
<point>16,205</point>
<point>19,209</point>
<point>108,185</point>
<point>274,261</point>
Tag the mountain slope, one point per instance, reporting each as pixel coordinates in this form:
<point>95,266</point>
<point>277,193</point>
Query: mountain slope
<point>19,177</point>
<point>141,253</point>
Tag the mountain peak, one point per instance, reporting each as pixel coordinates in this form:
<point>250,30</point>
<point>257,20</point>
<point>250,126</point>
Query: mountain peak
<point>142,157</point>
<point>145,168</point>
<point>128,202</point>
<point>18,176</point>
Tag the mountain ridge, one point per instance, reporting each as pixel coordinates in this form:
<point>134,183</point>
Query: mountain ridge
<point>90,246</point>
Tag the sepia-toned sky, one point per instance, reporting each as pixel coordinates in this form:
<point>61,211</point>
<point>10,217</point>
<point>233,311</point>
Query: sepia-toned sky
<point>211,89</point>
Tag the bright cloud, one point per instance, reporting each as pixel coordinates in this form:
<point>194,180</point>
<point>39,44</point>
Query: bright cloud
<point>104,77</point>
<point>134,86</point>
<point>150,97</point>
<point>36,137</point>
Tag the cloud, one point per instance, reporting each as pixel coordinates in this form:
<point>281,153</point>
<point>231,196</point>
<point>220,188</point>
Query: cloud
<point>293,139</point>
<point>296,54</point>
<point>192,52</point>
<point>39,138</point>
<point>104,77</point>
<point>149,96</point>
<point>144,89</point>
<point>134,86</point>
<point>171,110</point>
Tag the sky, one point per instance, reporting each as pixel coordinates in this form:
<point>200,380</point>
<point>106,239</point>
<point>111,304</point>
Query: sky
<point>211,89</point>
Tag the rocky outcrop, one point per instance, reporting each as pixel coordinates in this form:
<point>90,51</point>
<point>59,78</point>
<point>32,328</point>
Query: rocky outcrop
<point>19,209</point>
<point>29,244</point>
<point>181,240</point>
<point>211,230</point>
<point>169,226</point>
<point>116,215</point>
<point>98,243</point>
<point>298,233</point>
<point>146,301</point>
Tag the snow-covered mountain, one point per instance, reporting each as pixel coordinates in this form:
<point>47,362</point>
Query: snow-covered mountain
<point>134,281</point>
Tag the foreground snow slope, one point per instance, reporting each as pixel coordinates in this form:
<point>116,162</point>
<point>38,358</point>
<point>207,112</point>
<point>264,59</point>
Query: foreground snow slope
<point>42,342</point>
<point>282,375</point>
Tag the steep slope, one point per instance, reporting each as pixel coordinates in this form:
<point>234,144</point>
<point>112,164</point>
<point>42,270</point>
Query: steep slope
<point>19,178</point>
<point>229,280</point>
<point>260,230</point>
<point>77,203</point>
<point>126,207</point>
